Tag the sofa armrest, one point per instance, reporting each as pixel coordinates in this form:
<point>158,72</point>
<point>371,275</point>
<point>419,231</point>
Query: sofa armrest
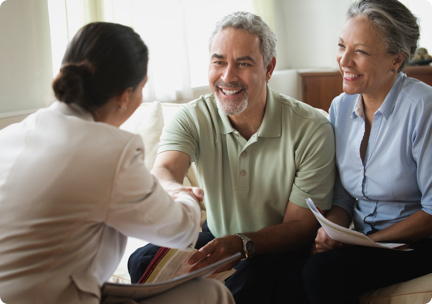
<point>417,290</point>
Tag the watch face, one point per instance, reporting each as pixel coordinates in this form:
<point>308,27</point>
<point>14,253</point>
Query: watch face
<point>250,248</point>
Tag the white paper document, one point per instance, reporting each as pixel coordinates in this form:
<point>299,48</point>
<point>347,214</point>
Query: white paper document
<point>345,235</point>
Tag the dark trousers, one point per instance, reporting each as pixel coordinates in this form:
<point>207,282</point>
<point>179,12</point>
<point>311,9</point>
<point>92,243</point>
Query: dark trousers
<point>271,278</point>
<point>341,275</point>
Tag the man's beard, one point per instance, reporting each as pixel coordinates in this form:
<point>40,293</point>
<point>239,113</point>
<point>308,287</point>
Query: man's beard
<point>233,107</point>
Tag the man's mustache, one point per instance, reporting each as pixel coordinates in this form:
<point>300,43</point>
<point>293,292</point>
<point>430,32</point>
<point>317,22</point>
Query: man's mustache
<point>233,84</point>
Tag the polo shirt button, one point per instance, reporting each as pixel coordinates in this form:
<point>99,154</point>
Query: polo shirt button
<point>244,153</point>
<point>243,172</point>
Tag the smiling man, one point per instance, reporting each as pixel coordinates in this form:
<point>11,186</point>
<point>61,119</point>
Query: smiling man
<point>259,156</point>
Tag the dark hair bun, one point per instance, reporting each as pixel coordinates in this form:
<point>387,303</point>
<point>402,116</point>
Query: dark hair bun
<point>101,61</point>
<point>71,83</point>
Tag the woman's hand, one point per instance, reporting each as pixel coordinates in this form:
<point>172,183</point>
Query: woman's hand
<point>324,243</point>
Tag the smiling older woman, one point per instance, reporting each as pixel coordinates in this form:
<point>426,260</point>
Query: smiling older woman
<point>383,126</point>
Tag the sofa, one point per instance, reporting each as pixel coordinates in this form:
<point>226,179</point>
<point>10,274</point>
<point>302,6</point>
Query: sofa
<point>149,120</point>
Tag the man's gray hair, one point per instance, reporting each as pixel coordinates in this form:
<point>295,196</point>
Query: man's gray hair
<point>254,25</point>
<point>397,25</point>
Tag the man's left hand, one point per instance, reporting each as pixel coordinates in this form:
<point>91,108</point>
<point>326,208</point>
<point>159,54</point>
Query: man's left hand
<point>216,250</point>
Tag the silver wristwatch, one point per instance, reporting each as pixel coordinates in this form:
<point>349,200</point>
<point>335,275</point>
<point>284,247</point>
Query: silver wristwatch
<point>248,245</point>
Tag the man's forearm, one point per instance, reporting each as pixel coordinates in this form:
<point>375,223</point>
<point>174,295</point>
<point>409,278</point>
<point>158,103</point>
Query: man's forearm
<point>297,230</point>
<point>339,215</point>
<point>281,238</point>
<point>170,168</point>
<point>165,177</point>
<point>294,234</point>
<point>174,186</point>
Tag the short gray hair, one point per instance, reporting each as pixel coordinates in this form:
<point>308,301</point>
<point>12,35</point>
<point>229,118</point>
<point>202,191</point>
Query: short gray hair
<point>254,25</point>
<point>397,25</point>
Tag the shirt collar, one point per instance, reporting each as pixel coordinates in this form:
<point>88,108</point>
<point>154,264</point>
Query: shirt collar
<point>389,102</point>
<point>358,107</point>
<point>271,124</point>
<point>226,126</point>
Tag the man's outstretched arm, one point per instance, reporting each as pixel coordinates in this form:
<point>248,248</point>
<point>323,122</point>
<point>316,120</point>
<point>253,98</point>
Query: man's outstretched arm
<point>170,168</point>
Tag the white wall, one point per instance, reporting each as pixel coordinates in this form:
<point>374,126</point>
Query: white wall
<point>308,31</point>
<point>25,57</point>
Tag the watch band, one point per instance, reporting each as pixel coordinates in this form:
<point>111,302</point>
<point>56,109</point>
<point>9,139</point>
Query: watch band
<point>248,245</point>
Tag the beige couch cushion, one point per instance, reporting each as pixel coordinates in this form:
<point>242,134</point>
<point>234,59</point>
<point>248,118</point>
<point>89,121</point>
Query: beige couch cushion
<point>147,121</point>
<point>414,291</point>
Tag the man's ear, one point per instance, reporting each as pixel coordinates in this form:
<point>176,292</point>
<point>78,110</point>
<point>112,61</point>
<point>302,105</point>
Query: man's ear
<point>123,99</point>
<point>270,68</point>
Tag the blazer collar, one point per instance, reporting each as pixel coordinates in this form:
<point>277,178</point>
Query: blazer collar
<point>72,110</point>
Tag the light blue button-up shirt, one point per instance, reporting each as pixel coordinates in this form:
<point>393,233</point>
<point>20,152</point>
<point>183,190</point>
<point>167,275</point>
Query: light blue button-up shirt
<point>395,179</point>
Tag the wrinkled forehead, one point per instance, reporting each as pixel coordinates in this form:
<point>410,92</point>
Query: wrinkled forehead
<point>238,42</point>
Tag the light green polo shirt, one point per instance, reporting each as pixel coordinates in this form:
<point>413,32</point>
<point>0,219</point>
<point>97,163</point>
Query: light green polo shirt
<point>248,184</point>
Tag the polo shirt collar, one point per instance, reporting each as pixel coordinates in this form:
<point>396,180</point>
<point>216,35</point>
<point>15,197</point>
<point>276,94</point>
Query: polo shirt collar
<point>271,125</point>
<point>389,102</point>
<point>272,120</point>
<point>225,126</point>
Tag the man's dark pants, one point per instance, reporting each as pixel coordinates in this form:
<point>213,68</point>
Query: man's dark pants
<point>271,278</point>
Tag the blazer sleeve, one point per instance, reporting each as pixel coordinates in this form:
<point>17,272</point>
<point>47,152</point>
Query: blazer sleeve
<point>139,207</point>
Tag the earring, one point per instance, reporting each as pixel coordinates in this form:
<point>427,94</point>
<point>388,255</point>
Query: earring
<point>120,109</point>
<point>393,71</point>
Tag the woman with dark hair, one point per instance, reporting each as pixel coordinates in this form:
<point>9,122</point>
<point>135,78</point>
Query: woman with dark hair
<point>383,131</point>
<point>73,185</point>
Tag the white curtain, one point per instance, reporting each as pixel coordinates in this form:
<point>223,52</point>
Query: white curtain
<point>161,24</point>
<point>168,27</point>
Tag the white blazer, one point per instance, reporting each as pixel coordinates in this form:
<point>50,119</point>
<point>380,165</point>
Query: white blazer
<point>71,190</point>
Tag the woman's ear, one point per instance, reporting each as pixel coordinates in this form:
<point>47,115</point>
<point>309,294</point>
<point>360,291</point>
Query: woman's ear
<point>123,99</point>
<point>398,61</point>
